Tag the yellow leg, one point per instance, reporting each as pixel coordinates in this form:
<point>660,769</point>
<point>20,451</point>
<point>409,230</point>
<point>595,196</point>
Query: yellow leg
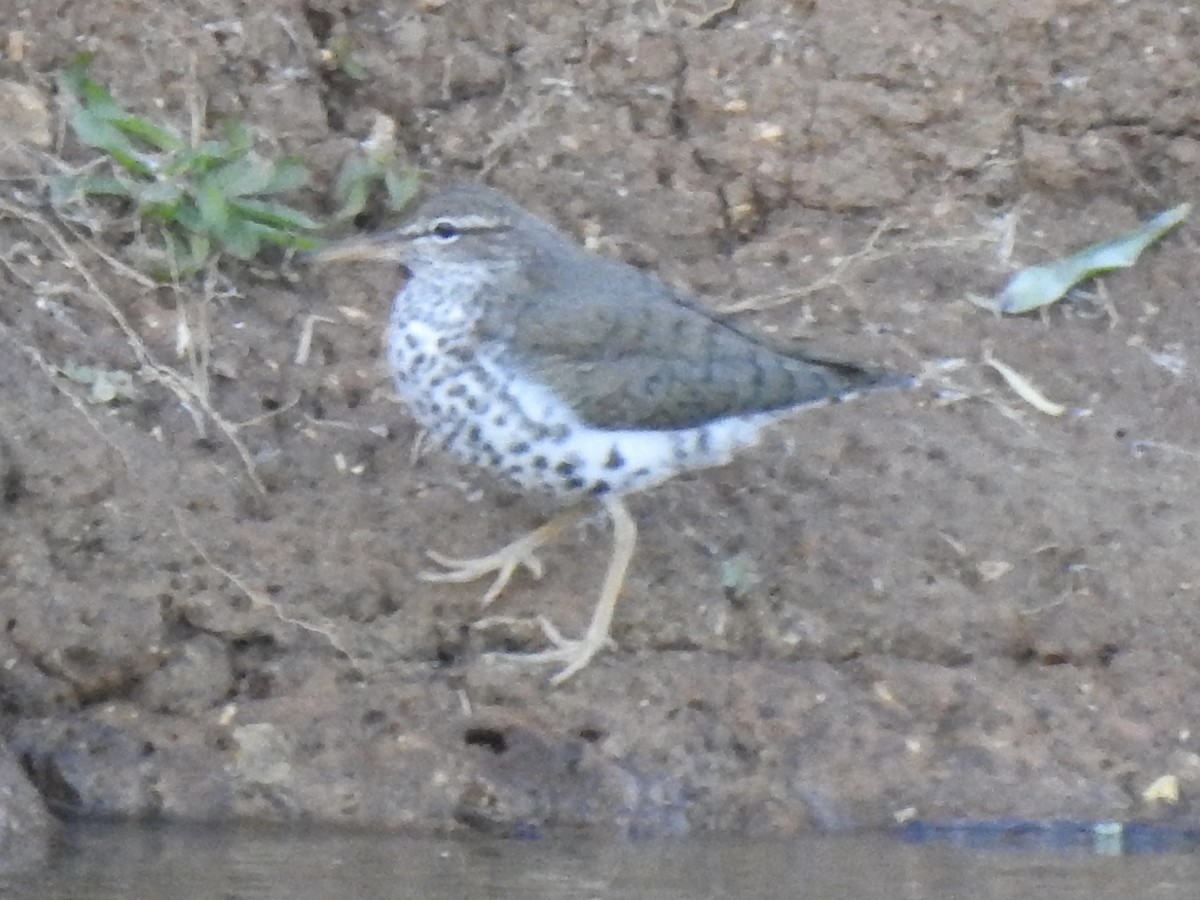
<point>505,561</point>
<point>575,654</point>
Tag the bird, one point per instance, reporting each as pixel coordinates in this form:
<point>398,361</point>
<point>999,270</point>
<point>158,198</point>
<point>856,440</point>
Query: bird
<point>573,375</point>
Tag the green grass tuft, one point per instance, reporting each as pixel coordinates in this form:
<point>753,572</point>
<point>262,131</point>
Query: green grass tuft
<point>206,198</point>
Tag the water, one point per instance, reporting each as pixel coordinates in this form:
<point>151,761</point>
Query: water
<point>235,863</point>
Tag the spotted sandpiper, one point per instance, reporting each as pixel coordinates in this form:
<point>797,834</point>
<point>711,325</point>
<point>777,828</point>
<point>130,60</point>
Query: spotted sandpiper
<point>572,374</point>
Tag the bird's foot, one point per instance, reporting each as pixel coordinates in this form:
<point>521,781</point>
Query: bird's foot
<point>505,561</point>
<point>573,654</point>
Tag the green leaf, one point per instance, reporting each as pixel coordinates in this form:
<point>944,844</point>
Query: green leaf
<point>200,248</point>
<point>214,211</point>
<point>353,172</point>
<point>77,188</point>
<point>301,242</point>
<point>157,136</point>
<point>248,175</point>
<point>401,188</point>
<point>287,175</point>
<point>103,186</point>
<point>281,237</point>
<point>74,73</point>
<point>187,215</point>
<point>99,105</point>
<point>354,200</point>
<point>74,79</point>
<point>103,135</point>
<point>350,187</point>
<point>200,159</point>
<point>355,69</point>
<point>240,238</point>
<point>187,254</point>
<point>238,137</point>
<point>166,213</point>
<point>160,192</point>
<point>277,215</point>
<point>1038,286</point>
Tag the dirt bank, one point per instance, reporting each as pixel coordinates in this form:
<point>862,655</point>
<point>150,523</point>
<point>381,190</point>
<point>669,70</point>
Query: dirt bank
<point>933,603</point>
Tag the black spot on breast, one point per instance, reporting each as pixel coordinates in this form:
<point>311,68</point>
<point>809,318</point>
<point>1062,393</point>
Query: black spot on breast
<point>614,460</point>
<point>457,390</point>
<point>520,448</point>
<point>600,487</point>
<point>574,483</point>
<point>564,468</point>
<point>411,341</point>
<point>541,463</point>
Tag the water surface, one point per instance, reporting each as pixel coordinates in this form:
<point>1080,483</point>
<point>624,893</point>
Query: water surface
<point>232,863</point>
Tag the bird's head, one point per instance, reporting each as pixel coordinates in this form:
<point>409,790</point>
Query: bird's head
<point>465,226</point>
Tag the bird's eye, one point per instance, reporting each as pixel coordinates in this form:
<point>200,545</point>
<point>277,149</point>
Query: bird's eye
<point>445,231</point>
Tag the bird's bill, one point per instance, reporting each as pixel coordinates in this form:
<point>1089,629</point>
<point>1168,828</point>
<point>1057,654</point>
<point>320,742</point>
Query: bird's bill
<point>361,249</point>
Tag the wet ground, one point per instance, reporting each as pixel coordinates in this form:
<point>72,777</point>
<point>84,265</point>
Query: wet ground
<point>932,604</point>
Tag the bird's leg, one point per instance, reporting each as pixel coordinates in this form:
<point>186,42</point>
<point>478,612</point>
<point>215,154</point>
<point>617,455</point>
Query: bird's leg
<point>505,561</point>
<point>576,654</point>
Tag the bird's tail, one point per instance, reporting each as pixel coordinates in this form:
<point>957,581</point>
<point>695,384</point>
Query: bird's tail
<point>843,381</point>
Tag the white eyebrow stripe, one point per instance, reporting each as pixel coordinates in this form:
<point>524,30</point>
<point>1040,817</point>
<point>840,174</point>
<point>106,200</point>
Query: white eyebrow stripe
<point>462,223</point>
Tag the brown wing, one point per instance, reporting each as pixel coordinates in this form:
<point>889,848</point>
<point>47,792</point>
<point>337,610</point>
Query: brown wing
<point>626,352</point>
